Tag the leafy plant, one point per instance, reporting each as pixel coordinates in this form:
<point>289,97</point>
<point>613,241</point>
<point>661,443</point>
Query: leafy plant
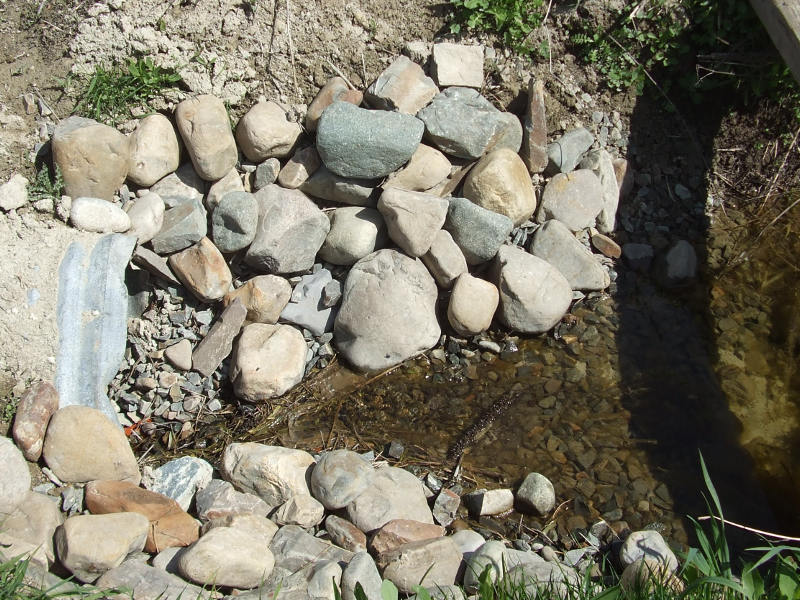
<point>512,19</point>
<point>10,409</point>
<point>45,186</point>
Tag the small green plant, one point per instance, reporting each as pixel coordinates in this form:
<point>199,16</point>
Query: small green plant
<point>10,409</point>
<point>14,587</point>
<point>512,19</point>
<point>111,92</point>
<point>45,186</point>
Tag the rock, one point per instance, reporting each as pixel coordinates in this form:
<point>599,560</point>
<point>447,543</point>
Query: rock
<point>463,123</point>
<point>231,182</point>
<point>179,355</point>
<point>477,231</point>
<point>300,510</point>
<point>184,185</point>
<point>332,293</point>
<point>678,265</point>
<point>468,541</point>
<point>445,507</point>
<point>346,190</point>
<point>218,499</point>
<point>606,246</point>
<point>183,225</point>
<point>153,264</point>
<point>146,216</point>
<point>623,171</point>
<point>555,243</point>
<point>265,132</point>
<point>344,534</point>
<point>14,193</point>
<point>154,150</point>
<point>602,165</point>
<point>148,583</point>
<point>354,142</point>
<point>217,345</point>
<point>92,321</point>
<point>444,259</point>
<point>402,87</point>
<point>81,444</point>
<point>638,256</point>
<point>92,158</point>
<point>339,478</point>
<point>393,493</point>
<point>426,169</point>
<point>574,198</point>
<point>489,502</point>
<point>294,548</point>
<point>509,135</point>
<point>264,297</point>
<point>262,527</point>
<point>233,222</point>
<point>534,139</point>
<point>34,521</point>
<point>325,576</point>
<point>355,232</point>
<point>305,306</point>
<point>334,89</point>
<point>536,494</point>
<point>650,545</point>
<point>203,270</point>
<point>500,183</point>
<point>268,361</point>
<point>428,563</point>
<point>489,555</point>
<point>290,231</point>
<point>402,531</point>
<point>273,473</point>
<point>458,64</point>
<point>551,578</point>
<point>534,295</point>
<point>206,131</point>
<point>169,526</point>
<point>472,305</point>
<point>227,556</point>
<point>33,414</point>
<point>15,479</point>
<point>90,545</point>
<point>167,560</point>
<point>566,152</point>
<point>266,173</point>
<point>98,216</point>
<point>180,479</point>
<point>361,569</point>
<point>646,575</point>
<point>301,166</point>
<point>388,311</point>
<point>36,556</point>
<point>412,218</point>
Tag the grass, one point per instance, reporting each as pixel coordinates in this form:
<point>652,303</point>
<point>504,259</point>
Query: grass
<point>14,587</point>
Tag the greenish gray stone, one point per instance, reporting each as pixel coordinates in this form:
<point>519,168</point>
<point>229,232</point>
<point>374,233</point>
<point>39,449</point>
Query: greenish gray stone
<point>567,151</point>
<point>234,220</point>
<point>347,190</point>
<point>477,231</point>
<point>184,225</point>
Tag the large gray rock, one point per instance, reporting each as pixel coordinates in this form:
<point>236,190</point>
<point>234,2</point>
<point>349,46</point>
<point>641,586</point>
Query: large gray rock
<point>567,151</point>
<point>574,198</point>
<point>536,494</point>
<point>154,150</point>
<point>265,132</point>
<point>15,479</point>
<point>294,548</point>
<point>477,231</point>
<point>346,190</point>
<point>534,295</point>
<point>647,544</point>
<point>183,225</point>
<point>181,186</point>
<point>556,244</point>
<point>92,157</point>
<point>444,259</point>
<point>180,479</point>
<point>388,311</point>
<point>34,521</point>
<point>291,229</point>
<point>412,218</point>
<point>428,563</point>
<point>354,142</point>
<point>355,232</point>
<point>402,86</point>
<point>339,477</point>
<point>149,583</point>
<point>500,182</point>
<point>305,307</point>
<point>206,131</point>
<point>92,317</point>
<point>361,569</point>
<point>234,220</point>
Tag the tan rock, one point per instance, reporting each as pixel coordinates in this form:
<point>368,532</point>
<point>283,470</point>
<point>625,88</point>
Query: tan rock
<point>206,131</point>
<point>258,525</point>
<point>219,500</point>
<point>427,168</point>
<point>154,150</point>
<point>500,182</point>
<point>412,218</point>
<point>98,216</point>
<point>534,137</point>
<point>334,89</point>
<point>231,182</point>
<point>264,297</point>
<point>444,259</point>
<point>34,522</point>
<point>217,345</point>
<point>346,535</point>
<point>301,510</point>
<point>472,305</point>
<point>180,355</point>
<point>402,531</point>
<point>203,270</point>
<point>265,132</point>
<point>300,167</point>
<point>402,86</point>
<point>16,548</point>
<point>606,245</point>
<point>429,563</point>
<point>623,171</point>
<point>33,414</point>
<point>458,64</point>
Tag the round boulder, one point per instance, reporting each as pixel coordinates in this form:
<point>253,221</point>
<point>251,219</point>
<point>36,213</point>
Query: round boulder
<point>339,477</point>
<point>536,494</point>
<point>204,126</point>
<point>154,150</point>
<point>15,479</point>
<point>500,182</point>
<point>265,132</point>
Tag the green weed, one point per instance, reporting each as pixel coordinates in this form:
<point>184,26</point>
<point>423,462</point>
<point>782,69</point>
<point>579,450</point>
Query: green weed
<point>9,410</point>
<point>45,186</point>
<point>14,587</point>
<point>514,20</point>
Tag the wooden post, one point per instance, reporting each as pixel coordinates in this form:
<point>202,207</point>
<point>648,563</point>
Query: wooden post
<point>781,19</point>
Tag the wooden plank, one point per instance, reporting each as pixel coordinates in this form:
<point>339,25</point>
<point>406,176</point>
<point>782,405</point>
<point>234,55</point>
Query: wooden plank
<point>781,18</point>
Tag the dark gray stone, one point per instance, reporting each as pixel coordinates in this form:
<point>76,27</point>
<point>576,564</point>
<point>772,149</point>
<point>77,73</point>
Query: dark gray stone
<point>638,256</point>
<point>347,190</point>
<point>217,344</point>
<point>566,152</point>
<point>234,220</point>
<point>477,231</point>
<point>184,225</point>
<point>266,173</point>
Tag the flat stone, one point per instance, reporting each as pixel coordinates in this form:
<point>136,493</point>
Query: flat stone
<point>98,216</point>
<point>203,270</point>
<point>34,410</point>
<point>444,259</point>
<point>294,548</point>
<point>266,173</point>
<point>231,182</point>
<point>536,494</point>
<point>334,89</point>
<point>301,510</point>
<point>477,231</point>
<point>264,297</point>
<point>445,507</point>
<point>154,150</point>
<point>299,168</point>
<point>402,531</point>
<point>361,570</point>
<point>339,477</point>
<point>268,361</point>
<point>184,185</point>
<point>14,193</point>
<point>154,264</point>
<point>412,218</point>
<point>146,216</point>
<point>179,355</point>
<point>218,342</point>
<point>534,139</point>
<point>34,521</point>
<point>346,190</point>
<point>354,142</point>
<point>180,479</point>
<point>402,87</point>
<point>428,563</point>
<point>15,479</point>
<point>149,583</point>
<point>426,169</point>
<point>265,132</point>
<point>500,182</point>
<point>344,534</point>
<point>305,307</point>
<point>647,544</point>
<point>183,225</point>
<point>258,525</point>
<point>606,246</point>
<point>603,166</point>
<point>556,244</point>
<point>206,131</point>
<point>388,311</point>
<point>472,305</point>
<point>218,499</point>
<point>567,151</point>
<point>458,64</point>
<point>82,444</point>
<point>355,232</point>
<point>574,198</point>
<point>489,502</point>
<point>534,295</point>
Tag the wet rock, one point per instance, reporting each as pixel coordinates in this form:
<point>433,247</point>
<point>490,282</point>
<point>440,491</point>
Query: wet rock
<point>555,243</point>
<point>30,422</point>
<point>233,221</point>
<point>402,86</point>
<point>325,575</point>
<point>458,64</point>
<point>92,158</point>
<point>183,225</point>
<point>412,218</point>
<point>534,139</point>
<point>355,232</point>
<point>606,246</point>
<point>217,345</point>
<point>264,297</point>
<point>294,548</point>
<point>477,231</point>
<point>678,265</point>
<point>203,270</point>
<point>339,478</point>
<point>184,185</point>
<point>427,168</point>
<point>203,124</point>
<point>291,230</point>
<point>268,361</point>
<point>98,215</point>
<point>34,521</point>
<point>273,473</point>
<point>444,259</point>
<point>179,355</point>
<point>154,150</point>
<point>334,89</point>
<point>428,563</point>
<point>354,142</point>
<point>300,510</point>
<point>388,311</point>
<point>638,256</point>
<point>227,556</point>
<point>301,166</point>
<point>14,193</point>
<point>15,479</point>
<point>600,162</point>
<point>489,502</point>
<point>266,173</point>
<point>180,479</point>
<point>647,544</point>
<point>305,307</point>
<point>534,295</point>
<point>566,152</point>
<point>397,532</point>
<point>536,494</point>
<point>90,545</point>
<point>361,569</point>
<point>574,198</point>
<point>81,444</point>
<point>472,305</point>
<point>346,190</point>
<point>343,533</point>
<point>218,499</point>
<point>148,583</point>
<point>146,216</point>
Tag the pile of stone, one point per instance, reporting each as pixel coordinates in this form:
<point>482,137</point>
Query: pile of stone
<point>279,520</point>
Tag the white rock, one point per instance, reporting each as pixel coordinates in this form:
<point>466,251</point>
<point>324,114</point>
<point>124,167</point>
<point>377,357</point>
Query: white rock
<point>536,494</point>
<point>603,167</point>
<point>412,218</point>
<point>574,198</point>
<point>301,510</point>
<point>355,233</point>
<point>472,305</point>
<point>468,541</point>
<point>647,544</point>
<point>14,193</point>
<point>154,150</point>
<point>147,217</point>
<point>444,259</point>
<point>180,479</point>
<point>458,64</point>
<point>489,502</point>
<point>265,132</point>
<point>98,216</point>
<point>15,479</point>
<point>361,569</point>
